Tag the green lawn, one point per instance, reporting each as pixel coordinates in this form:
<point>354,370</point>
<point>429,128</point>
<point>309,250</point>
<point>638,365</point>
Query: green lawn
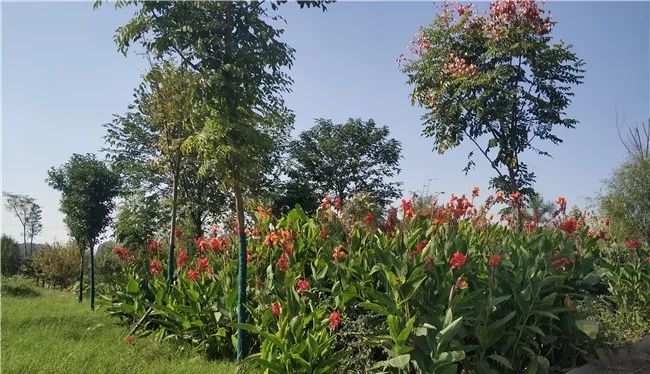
<point>53,333</point>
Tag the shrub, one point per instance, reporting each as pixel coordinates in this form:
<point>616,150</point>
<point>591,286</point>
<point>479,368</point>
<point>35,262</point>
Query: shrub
<point>57,264</point>
<point>10,259</point>
<point>19,287</point>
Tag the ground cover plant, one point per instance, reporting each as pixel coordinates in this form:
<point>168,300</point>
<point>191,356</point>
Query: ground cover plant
<point>428,289</point>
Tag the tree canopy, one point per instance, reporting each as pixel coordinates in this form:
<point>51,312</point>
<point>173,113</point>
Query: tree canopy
<point>345,159</point>
<point>497,79</point>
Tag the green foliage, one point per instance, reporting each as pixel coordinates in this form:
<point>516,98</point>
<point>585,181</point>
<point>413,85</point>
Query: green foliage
<point>57,264</point>
<point>137,219</point>
<point>17,286</point>
<point>345,159</point>
<point>626,199</point>
<point>395,289</point>
<point>497,79</point>
<point>87,189</point>
<point>10,256</point>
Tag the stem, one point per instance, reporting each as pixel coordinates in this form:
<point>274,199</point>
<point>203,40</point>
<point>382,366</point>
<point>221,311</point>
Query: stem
<point>241,309</point>
<point>92,278</point>
<point>172,238</point>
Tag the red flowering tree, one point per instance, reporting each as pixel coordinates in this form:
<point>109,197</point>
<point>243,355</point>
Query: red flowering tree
<point>497,79</point>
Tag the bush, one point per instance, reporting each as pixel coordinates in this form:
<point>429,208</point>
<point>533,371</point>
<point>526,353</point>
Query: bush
<point>57,264</point>
<point>10,256</point>
<point>439,290</point>
<point>19,287</point>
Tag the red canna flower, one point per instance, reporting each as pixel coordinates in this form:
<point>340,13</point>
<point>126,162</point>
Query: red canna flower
<point>475,191</point>
<point>214,244</point>
<point>178,232</point>
<point>569,226</point>
<point>121,252</point>
<point>276,309</point>
<point>203,265</point>
<point>421,244</point>
<point>323,233</point>
<point>338,254</point>
<point>302,285</point>
<point>407,208</point>
<point>369,218</point>
<point>153,245</point>
<point>457,260</point>
<point>249,256</point>
<point>155,267</point>
<point>192,275</point>
<point>326,203</point>
<point>129,340</point>
<point>283,263</point>
<point>182,258</point>
<point>561,262</point>
<point>515,196</point>
<point>338,202</point>
<point>633,244</point>
<point>561,202</point>
<point>494,261</point>
<point>334,320</point>
<point>461,284</point>
<point>203,245</point>
<point>391,221</point>
<point>262,213</point>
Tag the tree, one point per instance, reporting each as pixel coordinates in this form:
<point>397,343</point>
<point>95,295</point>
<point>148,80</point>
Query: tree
<point>137,218</point>
<point>10,256</point>
<point>626,196</point>
<point>87,188</point>
<point>496,79</point>
<point>25,209</point>
<point>242,61</point>
<point>168,100</point>
<point>345,159</point>
<point>34,226</point>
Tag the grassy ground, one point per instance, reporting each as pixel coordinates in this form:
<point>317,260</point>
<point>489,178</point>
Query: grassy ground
<point>52,333</point>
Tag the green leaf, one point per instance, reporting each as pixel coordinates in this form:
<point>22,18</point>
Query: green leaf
<point>501,322</point>
<point>588,327</point>
<point>132,287</point>
<point>399,362</point>
<point>502,360</point>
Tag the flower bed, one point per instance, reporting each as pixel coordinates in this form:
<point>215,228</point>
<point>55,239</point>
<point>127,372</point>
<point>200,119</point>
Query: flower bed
<point>442,287</point>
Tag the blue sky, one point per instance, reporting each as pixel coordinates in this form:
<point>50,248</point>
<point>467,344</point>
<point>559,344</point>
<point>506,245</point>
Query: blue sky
<point>62,77</point>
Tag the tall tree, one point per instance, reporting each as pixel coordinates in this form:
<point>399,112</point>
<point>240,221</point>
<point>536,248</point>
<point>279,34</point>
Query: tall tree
<point>87,188</point>
<point>22,207</point>
<point>345,159</point>
<point>168,100</point>
<point>35,226</point>
<point>243,63</point>
<point>497,79</point>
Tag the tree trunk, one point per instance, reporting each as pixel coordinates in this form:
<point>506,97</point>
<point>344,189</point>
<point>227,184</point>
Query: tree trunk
<point>25,241</point>
<point>92,277</point>
<point>31,246</point>
<point>172,238</point>
<point>81,277</point>
<point>241,310</point>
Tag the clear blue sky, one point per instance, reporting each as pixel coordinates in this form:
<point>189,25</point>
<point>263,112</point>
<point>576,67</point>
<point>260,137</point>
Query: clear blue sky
<point>62,78</point>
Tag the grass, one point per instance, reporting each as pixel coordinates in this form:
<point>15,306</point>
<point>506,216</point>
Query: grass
<point>53,333</point>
